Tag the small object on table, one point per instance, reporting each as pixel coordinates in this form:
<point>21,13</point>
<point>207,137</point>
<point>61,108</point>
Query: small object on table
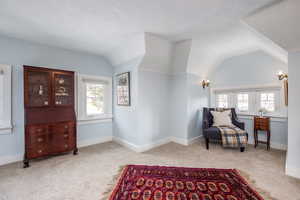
<point>262,124</point>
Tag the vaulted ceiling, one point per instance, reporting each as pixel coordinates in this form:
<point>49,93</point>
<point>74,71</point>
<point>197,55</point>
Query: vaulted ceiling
<point>98,26</point>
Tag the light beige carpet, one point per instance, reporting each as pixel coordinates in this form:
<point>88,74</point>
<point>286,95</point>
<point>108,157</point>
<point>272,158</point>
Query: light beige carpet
<point>87,175</point>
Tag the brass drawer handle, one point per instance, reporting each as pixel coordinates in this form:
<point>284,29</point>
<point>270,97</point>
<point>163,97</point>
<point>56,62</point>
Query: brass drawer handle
<point>66,126</point>
<point>40,140</point>
<point>66,135</point>
<point>40,151</point>
<point>39,130</point>
<point>66,146</point>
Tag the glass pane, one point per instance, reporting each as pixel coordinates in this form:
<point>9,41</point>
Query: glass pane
<point>38,88</point>
<point>267,101</point>
<point>94,99</point>
<point>63,89</point>
<point>222,101</point>
<point>242,102</point>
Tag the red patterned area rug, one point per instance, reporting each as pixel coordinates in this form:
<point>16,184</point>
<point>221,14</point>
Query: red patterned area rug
<point>139,182</point>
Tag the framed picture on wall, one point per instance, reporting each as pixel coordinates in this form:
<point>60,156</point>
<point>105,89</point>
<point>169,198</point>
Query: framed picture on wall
<point>123,89</point>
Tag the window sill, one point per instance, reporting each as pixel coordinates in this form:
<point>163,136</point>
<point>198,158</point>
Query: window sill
<point>94,121</point>
<point>5,130</point>
<point>275,118</point>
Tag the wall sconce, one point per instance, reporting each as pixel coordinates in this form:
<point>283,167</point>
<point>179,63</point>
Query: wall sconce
<point>281,75</point>
<point>205,83</point>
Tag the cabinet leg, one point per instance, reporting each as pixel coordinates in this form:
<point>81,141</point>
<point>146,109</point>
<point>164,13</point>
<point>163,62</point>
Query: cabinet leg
<point>25,163</point>
<point>207,143</point>
<point>75,152</point>
<point>255,139</point>
<point>242,149</point>
<point>268,142</point>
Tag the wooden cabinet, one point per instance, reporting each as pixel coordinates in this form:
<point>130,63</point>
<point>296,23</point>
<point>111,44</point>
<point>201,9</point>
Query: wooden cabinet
<point>50,121</point>
<point>262,124</point>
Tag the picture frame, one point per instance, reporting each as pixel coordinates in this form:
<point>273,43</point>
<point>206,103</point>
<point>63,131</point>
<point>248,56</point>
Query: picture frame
<point>123,89</point>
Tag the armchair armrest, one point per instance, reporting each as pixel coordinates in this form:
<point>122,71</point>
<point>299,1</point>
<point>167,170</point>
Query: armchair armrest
<point>205,124</point>
<point>238,123</point>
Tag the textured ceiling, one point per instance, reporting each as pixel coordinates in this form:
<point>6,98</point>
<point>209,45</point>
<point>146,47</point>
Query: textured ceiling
<point>97,26</point>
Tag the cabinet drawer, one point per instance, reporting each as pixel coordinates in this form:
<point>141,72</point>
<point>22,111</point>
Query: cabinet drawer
<point>63,127</point>
<point>38,139</point>
<point>37,151</point>
<point>37,129</point>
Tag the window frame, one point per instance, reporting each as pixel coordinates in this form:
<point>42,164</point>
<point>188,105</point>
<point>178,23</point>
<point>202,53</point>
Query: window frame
<point>254,93</point>
<point>237,101</point>
<point>82,81</point>
<point>6,126</point>
<point>217,100</point>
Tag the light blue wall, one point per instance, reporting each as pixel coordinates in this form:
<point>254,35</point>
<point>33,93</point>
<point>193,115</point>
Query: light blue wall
<point>293,157</point>
<point>253,69</point>
<point>17,53</point>
<point>197,99</point>
<point>178,106</point>
<point>126,117</point>
<point>154,109</point>
<point>256,68</point>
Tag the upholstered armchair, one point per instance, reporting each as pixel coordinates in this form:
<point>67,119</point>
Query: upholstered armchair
<point>212,133</point>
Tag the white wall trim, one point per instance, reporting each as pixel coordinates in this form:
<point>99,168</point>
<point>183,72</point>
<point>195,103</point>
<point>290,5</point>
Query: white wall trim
<point>141,148</point>
<point>273,118</point>
<point>147,147</point>
<point>126,144</point>
<point>90,142</point>
<point>248,88</point>
<point>17,158</point>
<point>184,141</point>
<point>292,171</point>
<point>4,160</point>
<point>273,145</point>
<point>94,121</point>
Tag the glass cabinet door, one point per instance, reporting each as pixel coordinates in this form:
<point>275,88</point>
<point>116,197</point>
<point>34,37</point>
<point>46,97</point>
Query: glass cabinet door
<point>63,89</point>
<point>37,84</point>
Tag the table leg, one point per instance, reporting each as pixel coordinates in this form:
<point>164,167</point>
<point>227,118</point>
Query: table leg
<point>268,143</point>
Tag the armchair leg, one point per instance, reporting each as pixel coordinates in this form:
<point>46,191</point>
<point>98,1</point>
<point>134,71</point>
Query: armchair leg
<point>207,143</point>
<point>242,149</point>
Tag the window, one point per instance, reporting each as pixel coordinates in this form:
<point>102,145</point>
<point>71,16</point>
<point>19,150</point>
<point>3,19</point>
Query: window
<point>267,101</point>
<point>222,101</point>
<point>94,98</point>
<point>243,102</point>
<point>5,99</point>
<point>249,101</point>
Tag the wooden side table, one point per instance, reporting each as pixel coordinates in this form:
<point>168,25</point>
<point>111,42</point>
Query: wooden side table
<point>262,124</point>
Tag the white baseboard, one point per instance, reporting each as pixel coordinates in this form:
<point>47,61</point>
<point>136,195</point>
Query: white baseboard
<point>90,142</point>
<point>126,144</point>
<point>273,145</point>
<point>147,147</point>
<point>184,141</point>
<point>4,160</point>
<point>11,159</point>
<point>141,148</point>
<point>293,171</point>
